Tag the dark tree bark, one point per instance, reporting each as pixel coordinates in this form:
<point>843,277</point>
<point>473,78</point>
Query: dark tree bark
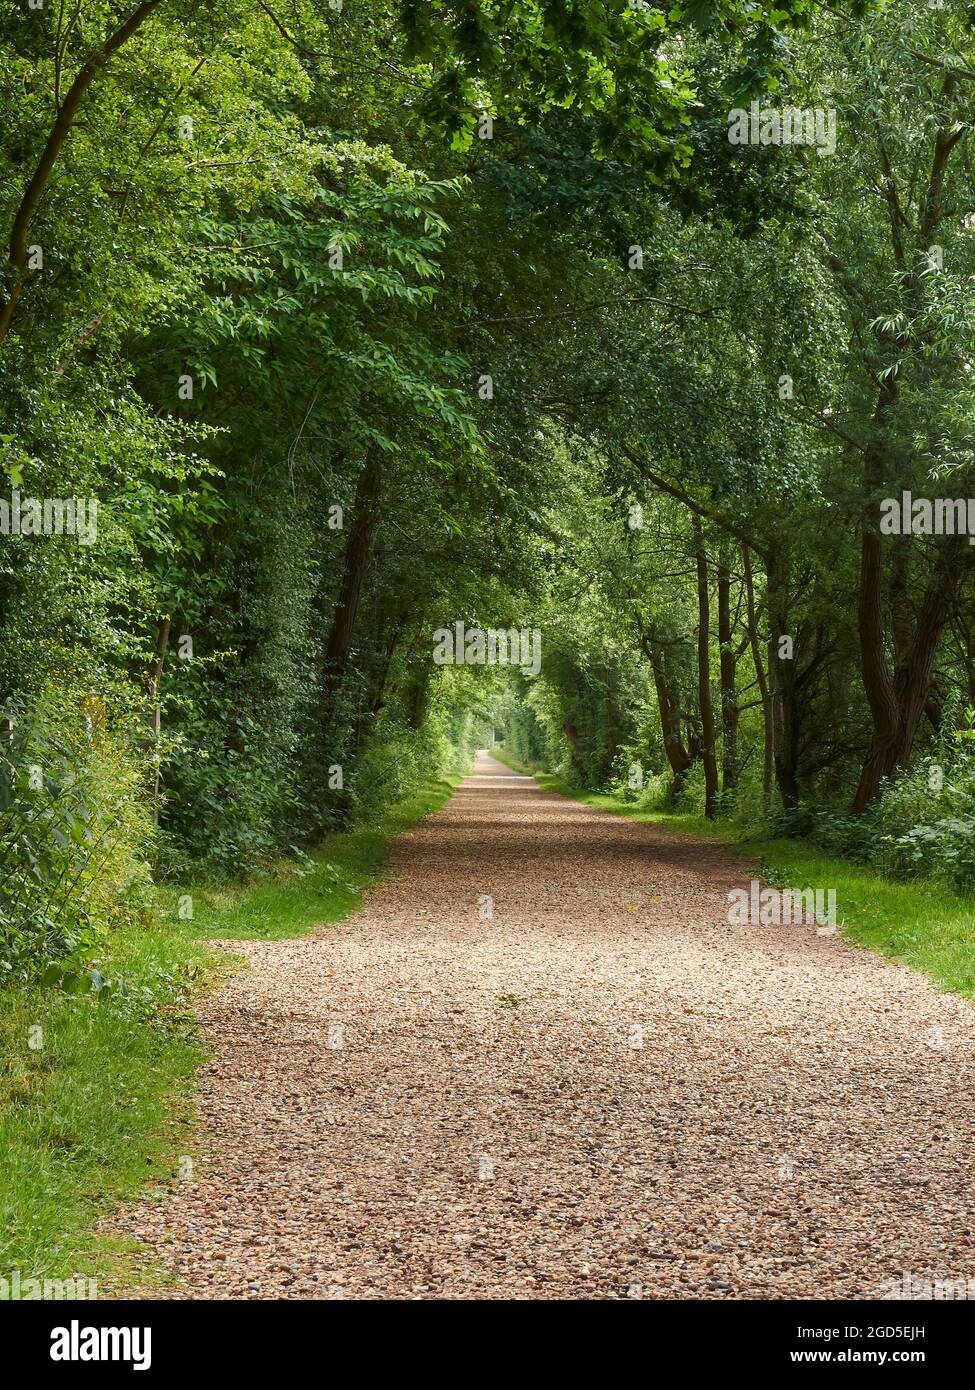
<point>897,698</point>
<point>355,566</point>
<point>729,672</point>
<point>704,676</point>
<point>668,704</point>
<point>768,741</point>
<point>576,756</point>
<point>782,672</point>
<point>379,698</point>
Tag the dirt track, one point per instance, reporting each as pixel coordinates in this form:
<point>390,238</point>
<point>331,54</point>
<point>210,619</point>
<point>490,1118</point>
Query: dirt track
<point>603,1090</point>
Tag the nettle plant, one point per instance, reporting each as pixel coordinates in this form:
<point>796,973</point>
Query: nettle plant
<point>928,812</point>
<point>70,824</point>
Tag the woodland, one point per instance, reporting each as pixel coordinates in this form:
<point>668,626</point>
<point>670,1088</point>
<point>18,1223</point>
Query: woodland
<point>327,326</point>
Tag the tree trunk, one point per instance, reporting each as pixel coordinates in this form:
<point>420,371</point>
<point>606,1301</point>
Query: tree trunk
<point>782,671</point>
<point>768,719</point>
<point>34,192</point>
<point>355,566</point>
<point>668,704</point>
<point>704,677</point>
<point>898,703</point>
<point>379,699</point>
<point>729,671</point>
<point>897,700</point>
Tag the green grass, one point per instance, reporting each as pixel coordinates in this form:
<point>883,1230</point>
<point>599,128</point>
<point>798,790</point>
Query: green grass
<point>103,1108</point>
<point>97,1108</point>
<point>922,925</point>
<point>292,899</point>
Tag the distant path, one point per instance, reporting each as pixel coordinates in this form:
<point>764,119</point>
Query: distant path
<point>799,1120</point>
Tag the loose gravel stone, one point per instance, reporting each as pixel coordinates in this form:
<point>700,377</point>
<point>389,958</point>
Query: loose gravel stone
<point>601,1090</point>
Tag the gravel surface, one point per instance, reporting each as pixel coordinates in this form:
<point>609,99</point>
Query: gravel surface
<point>602,1090</point>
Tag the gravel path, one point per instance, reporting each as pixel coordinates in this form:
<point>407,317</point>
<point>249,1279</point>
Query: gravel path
<point>603,1090</point>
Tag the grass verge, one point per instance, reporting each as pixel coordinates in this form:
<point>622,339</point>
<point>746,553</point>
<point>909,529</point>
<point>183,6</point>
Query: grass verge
<point>922,925</point>
<point>96,1097</point>
<point>293,897</point>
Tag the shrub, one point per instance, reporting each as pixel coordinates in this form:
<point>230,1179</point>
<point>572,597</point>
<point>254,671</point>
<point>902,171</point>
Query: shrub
<point>74,834</point>
<point>927,816</point>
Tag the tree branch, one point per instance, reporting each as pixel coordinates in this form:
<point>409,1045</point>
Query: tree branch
<point>34,192</point>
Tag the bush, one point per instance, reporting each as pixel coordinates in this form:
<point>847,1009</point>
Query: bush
<point>74,834</point>
<point>923,825</point>
<point>927,816</point>
<point>944,849</point>
<point>396,761</point>
<point>832,829</point>
<point>390,768</point>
